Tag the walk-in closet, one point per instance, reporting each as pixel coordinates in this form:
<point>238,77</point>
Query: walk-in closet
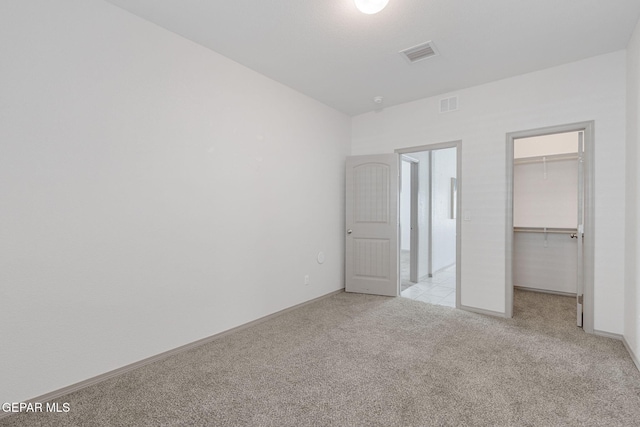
<point>547,213</point>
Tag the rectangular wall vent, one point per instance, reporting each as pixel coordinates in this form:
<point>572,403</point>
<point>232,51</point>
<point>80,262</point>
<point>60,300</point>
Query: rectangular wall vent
<point>449,104</point>
<point>419,52</point>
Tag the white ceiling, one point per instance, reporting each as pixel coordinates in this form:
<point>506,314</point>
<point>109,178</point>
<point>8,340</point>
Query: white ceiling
<point>343,58</point>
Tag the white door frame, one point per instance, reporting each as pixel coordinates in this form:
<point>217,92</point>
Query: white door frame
<point>589,213</point>
<point>439,146</point>
<point>413,215</point>
<point>430,217</point>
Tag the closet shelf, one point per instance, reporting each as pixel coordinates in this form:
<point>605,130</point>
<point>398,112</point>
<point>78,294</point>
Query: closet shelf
<point>545,230</point>
<point>542,159</point>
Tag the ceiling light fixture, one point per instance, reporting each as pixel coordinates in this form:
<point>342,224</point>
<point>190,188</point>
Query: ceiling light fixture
<point>370,6</point>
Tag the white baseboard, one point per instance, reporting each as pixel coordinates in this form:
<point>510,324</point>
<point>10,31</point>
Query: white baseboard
<point>482,311</point>
<point>619,337</point>
<point>430,276</point>
<point>631,353</point>
<point>135,365</point>
<point>545,291</point>
<point>441,269</point>
<point>607,334</point>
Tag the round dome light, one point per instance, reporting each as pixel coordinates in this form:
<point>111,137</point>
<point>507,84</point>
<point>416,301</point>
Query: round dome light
<point>370,6</point>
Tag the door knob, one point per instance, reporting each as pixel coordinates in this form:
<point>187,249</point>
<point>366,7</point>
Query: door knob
<point>349,231</point>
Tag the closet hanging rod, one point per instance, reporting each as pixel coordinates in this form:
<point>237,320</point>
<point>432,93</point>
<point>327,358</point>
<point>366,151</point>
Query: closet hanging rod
<point>545,230</point>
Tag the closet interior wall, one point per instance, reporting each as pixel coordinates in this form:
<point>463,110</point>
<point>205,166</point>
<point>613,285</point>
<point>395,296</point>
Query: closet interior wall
<point>545,210</point>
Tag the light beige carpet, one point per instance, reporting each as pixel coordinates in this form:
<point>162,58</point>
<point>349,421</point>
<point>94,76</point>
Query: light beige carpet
<point>357,360</point>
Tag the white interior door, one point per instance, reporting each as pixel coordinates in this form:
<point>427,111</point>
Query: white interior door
<point>580,273</point>
<point>372,265</point>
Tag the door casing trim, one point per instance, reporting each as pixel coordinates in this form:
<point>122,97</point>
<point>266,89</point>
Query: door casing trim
<point>588,127</point>
<point>458,146</point>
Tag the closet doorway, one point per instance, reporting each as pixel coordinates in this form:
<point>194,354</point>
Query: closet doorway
<point>430,223</point>
<point>550,215</point>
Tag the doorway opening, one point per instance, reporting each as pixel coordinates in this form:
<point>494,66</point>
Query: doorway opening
<point>430,223</point>
<point>550,216</point>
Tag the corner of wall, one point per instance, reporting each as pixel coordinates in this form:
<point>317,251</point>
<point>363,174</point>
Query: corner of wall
<point>632,208</point>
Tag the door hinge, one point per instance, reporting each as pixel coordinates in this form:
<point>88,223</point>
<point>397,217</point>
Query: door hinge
<point>580,298</point>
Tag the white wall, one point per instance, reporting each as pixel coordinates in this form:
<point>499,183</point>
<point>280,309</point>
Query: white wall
<point>545,262</point>
<point>632,222</point>
<point>546,145</point>
<point>592,89</point>
<point>549,200</point>
<point>545,195</point>
<point>444,227</point>
<point>152,193</point>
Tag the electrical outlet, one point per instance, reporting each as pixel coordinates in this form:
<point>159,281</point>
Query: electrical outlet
<point>306,279</point>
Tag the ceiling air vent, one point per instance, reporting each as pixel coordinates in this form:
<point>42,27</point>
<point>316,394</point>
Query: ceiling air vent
<point>420,52</point>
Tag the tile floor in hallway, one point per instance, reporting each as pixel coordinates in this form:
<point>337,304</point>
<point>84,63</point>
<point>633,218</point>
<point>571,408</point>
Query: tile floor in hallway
<point>439,289</point>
